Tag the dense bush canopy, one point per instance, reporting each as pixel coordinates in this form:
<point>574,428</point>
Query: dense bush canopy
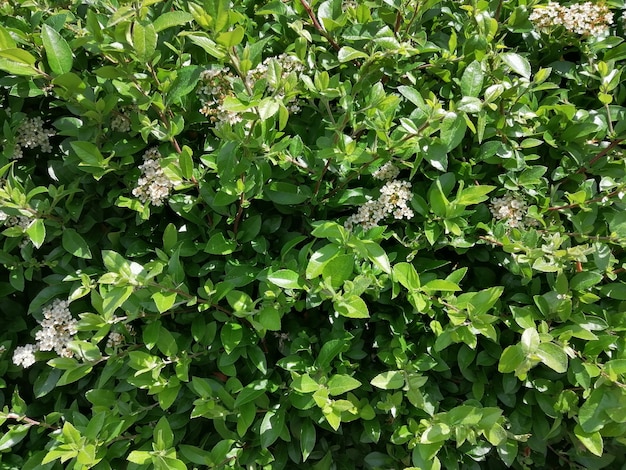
<point>301,234</point>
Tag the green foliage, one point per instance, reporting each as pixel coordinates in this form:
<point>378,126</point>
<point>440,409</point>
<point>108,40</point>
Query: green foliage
<point>375,235</point>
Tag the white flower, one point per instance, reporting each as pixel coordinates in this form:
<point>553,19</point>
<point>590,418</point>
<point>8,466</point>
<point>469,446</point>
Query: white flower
<point>586,19</point>
<point>57,328</point>
<point>31,134</point>
<point>24,355</point>
<point>512,209</point>
<point>393,200</point>
<point>153,186</point>
<point>386,172</point>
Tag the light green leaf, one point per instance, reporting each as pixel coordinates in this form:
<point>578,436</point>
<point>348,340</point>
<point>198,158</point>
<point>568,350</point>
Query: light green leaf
<point>230,38</point>
<point>591,440</point>
<point>512,357</point>
<point>285,278</point>
<point>346,54</point>
<point>58,52</point>
<point>144,41</point>
<point>472,79</point>
<point>36,231</point>
<point>389,380</point>
<point>553,356</point>
<point>517,63</point>
<point>342,383</point>
<point>164,300</point>
<point>352,307</point>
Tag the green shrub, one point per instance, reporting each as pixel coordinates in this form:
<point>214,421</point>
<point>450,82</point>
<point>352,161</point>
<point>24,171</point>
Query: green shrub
<point>372,234</point>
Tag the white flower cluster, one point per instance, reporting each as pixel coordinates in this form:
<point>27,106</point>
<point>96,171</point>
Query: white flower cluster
<point>58,328</point>
<point>153,186</point>
<point>586,19</point>
<point>386,172</point>
<point>216,87</point>
<point>24,356</point>
<point>214,90</point>
<point>31,134</point>
<point>21,221</point>
<point>512,210</point>
<point>114,339</point>
<point>394,198</point>
<point>120,122</point>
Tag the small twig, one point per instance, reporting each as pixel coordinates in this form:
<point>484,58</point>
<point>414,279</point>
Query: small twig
<point>318,26</point>
<point>601,154</point>
<point>590,201</point>
<point>242,198</point>
<point>30,421</point>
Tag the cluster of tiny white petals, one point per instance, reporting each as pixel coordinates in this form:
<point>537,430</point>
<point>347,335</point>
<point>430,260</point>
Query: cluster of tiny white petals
<point>511,209</point>
<point>24,356</point>
<point>32,134</point>
<point>393,200</point>
<point>21,221</point>
<point>153,186</point>
<point>216,87</point>
<point>58,328</point>
<point>386,172</point>
<point>586,19</point>
<point>120,122</point>
<point>114,339</point>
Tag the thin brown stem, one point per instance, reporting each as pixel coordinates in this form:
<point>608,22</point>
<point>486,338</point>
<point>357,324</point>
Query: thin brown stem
<point>318,26</point>
<point>600,154</point>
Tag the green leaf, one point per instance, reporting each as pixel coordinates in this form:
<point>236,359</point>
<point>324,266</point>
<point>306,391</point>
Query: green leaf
<point>307,438</point>
<point>508,452</point>
<point>553,356</point>
<point>163,435</point>
<point>474,195</point>
<point>436,433</point>
<point>36,231</point>
<point>230,38</point>
<point>338,270</point>
<point>512,357</point>
<point>75,244</point>
<point>585,280</point>
<point>164,300</point>
<point>271,427</point>
<point>14,436</point>
<point>472,79</point>
<point>170,19</point>
<point>346,54</point>
<point>285,278</point>
<point>219,245</point>
<point>405,274</point>
<point>231,335</point>
<point>58,51</point>
<point>442,285</point>
<point>452,130</point>
<point>530,341</point>
<point>267,108</point>
<point>185,82</point>
<point>18,62</point>
<point>251,392</point>
<point>269,318</point>
<point>330,350</point>
<point>342,383</point>
<point>144,41</point>
<point>286,193</point>
<point>614,290</point>
<point>390,380</point>
<point>208,45</point>
<point>517,63</point>
<point>352,307</point>
<point>591,440</point>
